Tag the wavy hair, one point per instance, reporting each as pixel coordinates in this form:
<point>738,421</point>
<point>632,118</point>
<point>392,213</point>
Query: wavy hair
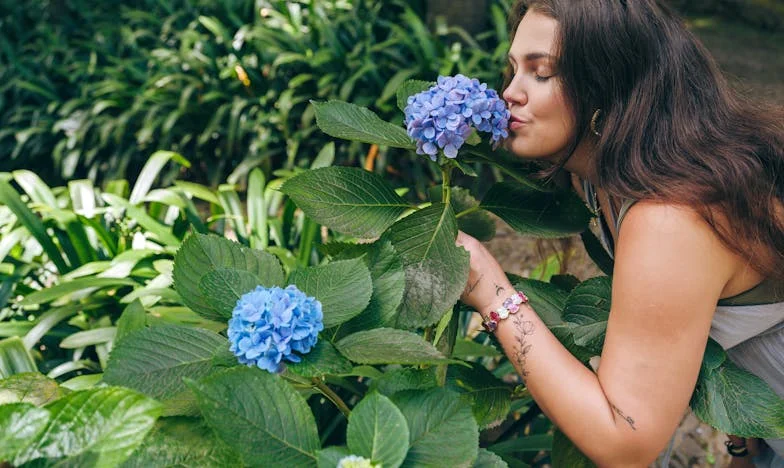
<point>671,127</point>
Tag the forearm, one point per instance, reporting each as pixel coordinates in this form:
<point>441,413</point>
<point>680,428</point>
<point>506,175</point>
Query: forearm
<point>569,393</point>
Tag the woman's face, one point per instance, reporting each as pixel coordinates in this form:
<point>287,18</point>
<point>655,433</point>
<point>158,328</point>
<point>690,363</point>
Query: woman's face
<point>541,126</point>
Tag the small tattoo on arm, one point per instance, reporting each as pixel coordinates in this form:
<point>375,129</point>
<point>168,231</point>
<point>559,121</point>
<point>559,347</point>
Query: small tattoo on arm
<point>524,328</point>
<point>470,288</point>
<point>498,289</point>
<point>628,419</point>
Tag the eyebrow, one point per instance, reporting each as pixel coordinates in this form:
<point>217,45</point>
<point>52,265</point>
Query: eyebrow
<point>532,56</point>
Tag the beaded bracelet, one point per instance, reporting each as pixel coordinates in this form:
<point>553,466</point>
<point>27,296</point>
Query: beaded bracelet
<point>510,306</point>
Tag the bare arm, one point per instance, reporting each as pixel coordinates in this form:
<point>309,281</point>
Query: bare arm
<point>669,273</point>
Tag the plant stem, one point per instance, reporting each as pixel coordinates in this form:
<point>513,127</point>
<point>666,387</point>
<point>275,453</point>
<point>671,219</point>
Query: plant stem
<point>446,181</point>
<point>467,211</point>
<point>332,396</point>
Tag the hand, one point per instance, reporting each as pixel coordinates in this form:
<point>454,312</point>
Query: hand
<point>487,285</point>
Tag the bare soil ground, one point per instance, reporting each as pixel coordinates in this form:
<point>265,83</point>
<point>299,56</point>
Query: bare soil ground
<point>753,61</point>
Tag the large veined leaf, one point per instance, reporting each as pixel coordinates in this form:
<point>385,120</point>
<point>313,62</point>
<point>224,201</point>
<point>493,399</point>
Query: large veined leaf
<point>734,400</point>
<point>470,218</point>
<point>442,431</point>
<point>105,423</point>
<point>537,213</point>
<point>180,441</point>
<point>348,200</point>
<point>487,459</point>
<point>587,311</point>
<point>436,269</point>
<point>389,346</point>
<point>408,89</point>
<point>389,286</point>
<point>29,387</point>
<point>260,417</point>
<point>196,275</point>
<point>322,360</point>
<point>406,378</point>
<point>330,457</point>
<point>343,288</point>
<point>351,122</point>
<point>155,360</point>
<point>20,424</point>
<point>377,430</point>
<point>490,397</point>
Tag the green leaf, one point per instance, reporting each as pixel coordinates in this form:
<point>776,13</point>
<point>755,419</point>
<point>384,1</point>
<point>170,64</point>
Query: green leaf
<point>547,299</point>
<point>201,254</point>
<point>488,459</point>
<point>410,88</point>
<point>351,122</point>
<point>537,213</point>
<point>21,424</point>
<point>259,416</point>
<point>389,286</point>
<point>490,397</point>
<point>322,360</point>
<point>106,423</point>
<point>89,338</point>
<point>566,455</point>
<point>406,378</point>
<point>35,188</point>
<point>436,269</point>
<point>14,358</point>
<point>442,430</point>
<point>343,287</point>
<point>529,443</point>
<point>222,287</point>
<point>477,223</point>
<point>587,311</point>
<point>257,210</point>
<point>377,430</point>
<point>162,233</point>
<point>389,346</point>
<point>465,348</point>
<point>348,200</point>
<point>10,198</point>
<point>133,318</point>
<point>57,291</point>
<point>150,172</point>
<point>736,401</point>
<point>180,441</point>
<point>330,457</point>
<point>29,387</point>
<point>155,360</point>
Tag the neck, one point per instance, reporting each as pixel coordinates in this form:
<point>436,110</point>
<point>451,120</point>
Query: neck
<point>581,163</point>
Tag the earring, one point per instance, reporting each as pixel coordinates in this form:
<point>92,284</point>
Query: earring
<point>594,121</point>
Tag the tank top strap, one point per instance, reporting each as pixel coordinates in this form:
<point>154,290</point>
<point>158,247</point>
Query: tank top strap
<point>625,206</point>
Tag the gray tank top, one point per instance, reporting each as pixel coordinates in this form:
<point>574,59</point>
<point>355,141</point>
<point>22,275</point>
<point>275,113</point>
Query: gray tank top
<point>749,326</point>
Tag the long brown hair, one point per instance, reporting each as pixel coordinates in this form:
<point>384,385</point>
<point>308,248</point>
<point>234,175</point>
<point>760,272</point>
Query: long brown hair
<point>671,128</point>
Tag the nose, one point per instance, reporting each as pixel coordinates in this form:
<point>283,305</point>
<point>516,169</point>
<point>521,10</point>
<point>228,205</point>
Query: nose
<point>514,94</point>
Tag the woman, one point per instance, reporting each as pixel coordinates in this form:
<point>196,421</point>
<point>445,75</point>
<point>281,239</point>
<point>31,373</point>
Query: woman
<point>690,183</point>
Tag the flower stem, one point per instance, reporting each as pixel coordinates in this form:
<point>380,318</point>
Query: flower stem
<point>446,181</point>
<point>467,211</point>
<point>332,396</point>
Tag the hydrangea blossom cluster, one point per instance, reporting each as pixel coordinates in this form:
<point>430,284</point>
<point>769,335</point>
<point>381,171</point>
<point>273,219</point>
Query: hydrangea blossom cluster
<point>269,325</point>
<point>443,116</point>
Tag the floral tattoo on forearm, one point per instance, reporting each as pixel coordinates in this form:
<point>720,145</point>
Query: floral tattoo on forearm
<point>525,328</point>
<point>628,419</point>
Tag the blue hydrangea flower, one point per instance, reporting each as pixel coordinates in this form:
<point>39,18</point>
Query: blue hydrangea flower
<point>442,117</point>
<point>269,325</point>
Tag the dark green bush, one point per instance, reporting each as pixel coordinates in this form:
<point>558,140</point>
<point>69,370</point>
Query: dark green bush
<point>89,90</point>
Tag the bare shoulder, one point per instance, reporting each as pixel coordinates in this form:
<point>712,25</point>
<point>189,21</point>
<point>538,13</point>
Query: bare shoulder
<point>673,236</point>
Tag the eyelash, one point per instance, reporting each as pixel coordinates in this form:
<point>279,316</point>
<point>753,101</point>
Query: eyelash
<point>537,77</point>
